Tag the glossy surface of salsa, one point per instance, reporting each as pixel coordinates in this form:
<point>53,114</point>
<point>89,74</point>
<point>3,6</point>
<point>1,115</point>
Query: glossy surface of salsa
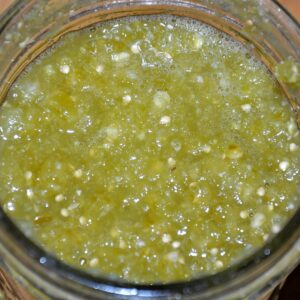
<point>155,149</point>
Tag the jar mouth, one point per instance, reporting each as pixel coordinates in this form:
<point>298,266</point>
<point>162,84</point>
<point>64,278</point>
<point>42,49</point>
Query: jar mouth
<point>45,264</point>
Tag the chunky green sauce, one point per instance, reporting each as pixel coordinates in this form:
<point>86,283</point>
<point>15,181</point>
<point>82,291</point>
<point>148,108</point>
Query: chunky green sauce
<point>154,149</point>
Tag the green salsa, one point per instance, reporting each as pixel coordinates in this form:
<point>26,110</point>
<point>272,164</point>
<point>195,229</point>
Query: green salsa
<point>154,149</point>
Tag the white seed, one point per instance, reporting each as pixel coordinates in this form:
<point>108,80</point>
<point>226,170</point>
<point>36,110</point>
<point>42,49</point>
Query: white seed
<point>284,165</point>
<point>64,212</point>
<point>165,120</point>
<point>257,220</point>
<point>290,205</point>
<point>135,48</point>
<point>167,55</point>
<point>199,79</point>
<point>171,163</point>
<point>10,206</point>
<point>249,22</point>
<point>176,244</point>
<point>181,260</point>
<point>246,108</point>
<point>166,238</point>
<point>161,99</point>
<point>293,147</point>
<point>219,264</point>
<point>82,220</point>
<point>112,133</point>
<point>244,214</point>
<point>24,43</point>
<point>58,165</point>
<point>193,253</point>
<point>235,154</point>
<point>20,25</point>
<point>59,197</point>
<point>295,74</point>
<point>131,75</point>
<point>206,148</point>
<point>65,69</point>
<point>120,57</point>
<point>122,244</point>
<point>270,207</point>
<point>214,251</point>
<point>29,193</point>
<point>126,99</point>
<point>99,69</point>
<point>140,243</point>
<point>28,175</point>
<point>176,145</point>
<point>261,192</point>
<point>94,262</point>
<point>73,205</point>
<point>106,145</point>
<point>193,185</point>
<point>292,127</point>
<point>198,42</point>
<point>173,256</point>
<point>78,173</point>
<point>276,228</point>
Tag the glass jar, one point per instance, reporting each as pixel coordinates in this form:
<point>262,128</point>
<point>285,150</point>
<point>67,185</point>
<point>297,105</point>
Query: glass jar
<point>27,28</point>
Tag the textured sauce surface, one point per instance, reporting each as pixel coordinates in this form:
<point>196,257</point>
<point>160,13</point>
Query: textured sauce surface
<point>153,149</point>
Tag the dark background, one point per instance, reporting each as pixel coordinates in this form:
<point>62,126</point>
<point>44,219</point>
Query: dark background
<point>291,289</point>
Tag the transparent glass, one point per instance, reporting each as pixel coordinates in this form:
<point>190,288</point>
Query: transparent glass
<point>27,28</point>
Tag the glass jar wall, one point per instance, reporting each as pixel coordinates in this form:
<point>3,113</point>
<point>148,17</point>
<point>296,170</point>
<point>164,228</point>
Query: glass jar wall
<point>28,28</point>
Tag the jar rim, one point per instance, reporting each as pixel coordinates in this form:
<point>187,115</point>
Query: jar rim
<point>265,257</point>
